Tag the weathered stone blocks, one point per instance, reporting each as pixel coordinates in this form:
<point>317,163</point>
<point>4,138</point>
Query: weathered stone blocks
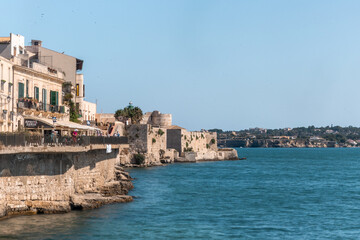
<point>46,183</point>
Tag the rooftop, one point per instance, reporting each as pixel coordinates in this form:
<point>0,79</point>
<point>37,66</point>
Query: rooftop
<point>4,39</point>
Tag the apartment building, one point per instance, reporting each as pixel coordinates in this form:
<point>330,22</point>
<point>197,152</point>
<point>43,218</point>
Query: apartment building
<point>71,67</point>
<point>31,90</point>
<point>6,96</point>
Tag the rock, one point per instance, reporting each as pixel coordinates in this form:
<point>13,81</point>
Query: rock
<point>49,206</point>
<point>2,210</point>
<point>95,200</point>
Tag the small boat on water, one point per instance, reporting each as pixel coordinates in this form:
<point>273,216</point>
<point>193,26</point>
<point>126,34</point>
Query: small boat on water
<point>244,158</point>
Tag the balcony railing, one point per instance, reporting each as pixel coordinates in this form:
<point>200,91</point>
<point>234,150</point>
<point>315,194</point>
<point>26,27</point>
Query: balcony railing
<point>39,106</point>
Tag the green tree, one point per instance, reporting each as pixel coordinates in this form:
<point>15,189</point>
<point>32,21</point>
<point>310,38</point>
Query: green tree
<point>216,130</point>
<point>67,100</point>
<point>74,115</point>
<point>135,113</point>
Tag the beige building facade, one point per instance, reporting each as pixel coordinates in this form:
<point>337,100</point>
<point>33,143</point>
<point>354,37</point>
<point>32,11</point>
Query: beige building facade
<point>6,95</point>
<point>71,67</point>
<point>32,86</point>
<point>38,93</point>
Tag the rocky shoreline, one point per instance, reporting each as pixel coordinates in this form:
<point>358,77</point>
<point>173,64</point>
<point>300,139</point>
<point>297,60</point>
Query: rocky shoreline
<point>114,191</point>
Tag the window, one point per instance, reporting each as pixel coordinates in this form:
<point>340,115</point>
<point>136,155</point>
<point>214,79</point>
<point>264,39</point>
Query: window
<point>2,71</point>
<point>54,98</point>
<point>27,88</point>
<point>36,93</point>
<point>44,101</point>
<point>77,90</point>
<point>9,87</point>
<point>44,96</point>
<point>3,85</point>
<point>21,90</point>
<point>84,90</point>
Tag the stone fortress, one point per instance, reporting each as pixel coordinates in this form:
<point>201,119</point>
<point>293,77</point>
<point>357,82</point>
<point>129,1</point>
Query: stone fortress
<point>156,118</point>
<point>161,142</point>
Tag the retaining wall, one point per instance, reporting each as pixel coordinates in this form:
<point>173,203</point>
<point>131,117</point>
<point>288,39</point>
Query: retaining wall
<point>58,182</point>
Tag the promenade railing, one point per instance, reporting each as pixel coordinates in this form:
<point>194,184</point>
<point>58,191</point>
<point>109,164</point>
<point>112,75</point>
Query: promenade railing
<point>23,139</point>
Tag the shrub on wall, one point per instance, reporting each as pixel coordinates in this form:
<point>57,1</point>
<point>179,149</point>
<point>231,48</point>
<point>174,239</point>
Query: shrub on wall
<point>153,140</point>
<point>139,158</point>
<point>212,141</point>
<point>161,132</point>
<point>207,146</point>
<point>188,149</point>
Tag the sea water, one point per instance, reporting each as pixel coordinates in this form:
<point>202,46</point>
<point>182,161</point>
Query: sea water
<point>274,194</point>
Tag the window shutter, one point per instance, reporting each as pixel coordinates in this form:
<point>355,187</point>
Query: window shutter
<point>21,90</point>
<point>36,93</point>
<point>52,98</point>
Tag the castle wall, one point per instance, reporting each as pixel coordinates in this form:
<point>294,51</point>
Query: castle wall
<point>194,141</point>
<point>174,139</point>
<point>151,142</point>
<point>156,118</point>
<point>162,120</point>
<point>210,155</point>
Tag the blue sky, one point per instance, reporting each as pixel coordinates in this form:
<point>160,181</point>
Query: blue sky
<point>212,64</point>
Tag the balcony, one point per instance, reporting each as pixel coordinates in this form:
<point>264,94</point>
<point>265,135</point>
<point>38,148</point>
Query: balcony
<point>33,105</point>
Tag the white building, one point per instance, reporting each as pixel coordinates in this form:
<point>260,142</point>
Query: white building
<point>6,96</point>
<point>87,110</point>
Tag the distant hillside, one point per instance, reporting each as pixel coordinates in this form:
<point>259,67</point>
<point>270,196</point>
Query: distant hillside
<point>334,136</point>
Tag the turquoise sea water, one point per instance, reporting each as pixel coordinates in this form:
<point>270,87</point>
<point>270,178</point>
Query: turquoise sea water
<point>275,194</point>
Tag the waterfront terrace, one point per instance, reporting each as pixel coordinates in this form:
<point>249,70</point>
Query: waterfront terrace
<point>31,143</point>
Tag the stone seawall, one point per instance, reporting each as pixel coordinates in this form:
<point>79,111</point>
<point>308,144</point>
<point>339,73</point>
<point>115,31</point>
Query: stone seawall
<point>33,183</point>
<point>212,155</point>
